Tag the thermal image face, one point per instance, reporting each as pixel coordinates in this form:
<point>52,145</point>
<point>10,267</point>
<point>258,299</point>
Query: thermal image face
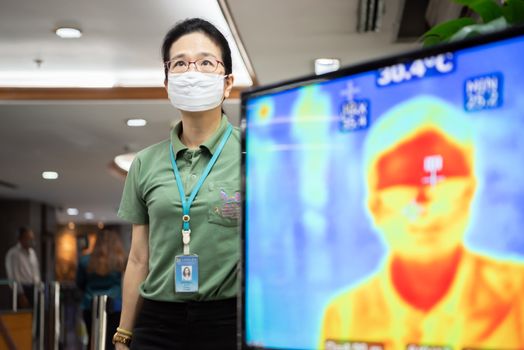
<point>421,195</point>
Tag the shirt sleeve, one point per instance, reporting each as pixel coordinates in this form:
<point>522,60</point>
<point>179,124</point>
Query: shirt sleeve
<point>35,266</point>
<point>10,269</point>
<point>9,265</point>
<point>132,206</point>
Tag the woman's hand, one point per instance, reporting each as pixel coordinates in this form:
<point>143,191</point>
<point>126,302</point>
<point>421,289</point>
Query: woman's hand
<point>23,302</point>
<point>120,346</point>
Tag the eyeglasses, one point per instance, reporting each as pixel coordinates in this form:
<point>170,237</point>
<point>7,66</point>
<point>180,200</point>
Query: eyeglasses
<point>203,65</point>
<point>450,190</point>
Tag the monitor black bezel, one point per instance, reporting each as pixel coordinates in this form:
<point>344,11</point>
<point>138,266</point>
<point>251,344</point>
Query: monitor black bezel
<point>372,65</point>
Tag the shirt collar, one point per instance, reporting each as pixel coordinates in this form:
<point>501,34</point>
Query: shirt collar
<point>22,249</point>
<point>211,144</point>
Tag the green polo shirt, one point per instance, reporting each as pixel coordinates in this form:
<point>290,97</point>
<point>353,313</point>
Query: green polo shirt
<point>151,197</point>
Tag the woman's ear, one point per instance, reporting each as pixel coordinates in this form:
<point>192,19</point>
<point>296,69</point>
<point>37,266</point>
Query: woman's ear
<point>375,208</point>
<point>228,85</point>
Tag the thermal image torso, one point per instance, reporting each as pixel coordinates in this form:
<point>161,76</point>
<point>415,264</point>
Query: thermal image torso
<point>483,308</point>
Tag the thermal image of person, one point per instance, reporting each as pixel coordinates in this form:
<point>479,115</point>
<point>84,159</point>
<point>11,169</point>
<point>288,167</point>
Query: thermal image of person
<point>419,165</point>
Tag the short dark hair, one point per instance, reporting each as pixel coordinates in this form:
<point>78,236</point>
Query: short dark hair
<point>193,25</point>
<point>22,231</point>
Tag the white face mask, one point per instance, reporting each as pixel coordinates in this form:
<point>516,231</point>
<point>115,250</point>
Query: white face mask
<point>194,91</point>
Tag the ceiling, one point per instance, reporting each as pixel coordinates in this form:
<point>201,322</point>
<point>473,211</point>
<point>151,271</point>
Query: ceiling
<point>79,138</point>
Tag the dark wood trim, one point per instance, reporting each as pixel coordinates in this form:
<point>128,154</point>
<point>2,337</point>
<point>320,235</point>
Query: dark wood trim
<point>116,93</point>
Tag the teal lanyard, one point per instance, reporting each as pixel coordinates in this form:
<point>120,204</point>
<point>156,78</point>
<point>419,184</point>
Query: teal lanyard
<point>186,202</point>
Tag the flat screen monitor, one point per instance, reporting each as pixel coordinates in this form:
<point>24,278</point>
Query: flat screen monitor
<point>384,203</point>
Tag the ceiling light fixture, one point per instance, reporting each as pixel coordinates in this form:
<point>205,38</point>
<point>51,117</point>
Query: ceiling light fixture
<point>242,67</point>
<point>72,211</point>
<point>123,161</point>
<point>50,175</point>
<point>136,122</point>
<point>326,65</point>
<point>89,216</point>
<point>68,32</point>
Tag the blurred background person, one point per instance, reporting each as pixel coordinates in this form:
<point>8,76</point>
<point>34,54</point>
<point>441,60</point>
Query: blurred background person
<point>100,273</point>
<point>22,267</point>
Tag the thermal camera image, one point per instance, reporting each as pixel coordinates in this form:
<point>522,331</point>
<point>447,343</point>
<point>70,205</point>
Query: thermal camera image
<point>420,165</point>
<point>385,210</point>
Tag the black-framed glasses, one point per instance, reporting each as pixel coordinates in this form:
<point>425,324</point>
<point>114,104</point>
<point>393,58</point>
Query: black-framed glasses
<point>203,65</point>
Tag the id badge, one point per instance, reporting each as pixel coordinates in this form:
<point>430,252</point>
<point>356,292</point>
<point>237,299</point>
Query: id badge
<point>186,273</point>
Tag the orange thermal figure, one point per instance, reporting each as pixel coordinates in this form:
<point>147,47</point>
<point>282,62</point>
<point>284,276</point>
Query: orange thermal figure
<point>431,290</point>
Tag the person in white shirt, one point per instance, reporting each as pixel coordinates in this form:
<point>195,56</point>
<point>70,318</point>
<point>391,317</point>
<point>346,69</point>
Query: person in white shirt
<point>22,266</point>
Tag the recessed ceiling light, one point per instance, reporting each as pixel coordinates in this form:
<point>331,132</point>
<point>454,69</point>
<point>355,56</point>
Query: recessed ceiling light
<point>123,161</point>
<point>326,65</point>
<point>50,175</point>
<point>72,211</point>
<point>89,216</point>
<point>68,33</point>
<point>136,122</point>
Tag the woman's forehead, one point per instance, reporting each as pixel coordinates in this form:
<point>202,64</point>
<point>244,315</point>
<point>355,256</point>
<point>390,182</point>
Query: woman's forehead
<point>194,44</point>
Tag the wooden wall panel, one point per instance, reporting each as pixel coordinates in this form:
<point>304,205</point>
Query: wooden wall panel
<point>117,93</point>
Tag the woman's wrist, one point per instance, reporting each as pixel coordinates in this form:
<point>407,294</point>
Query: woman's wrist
<point>124,331</point>
<point>122,336</point>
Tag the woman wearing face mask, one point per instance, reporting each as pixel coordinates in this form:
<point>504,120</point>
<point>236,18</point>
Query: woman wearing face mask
<point>182,197</point>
